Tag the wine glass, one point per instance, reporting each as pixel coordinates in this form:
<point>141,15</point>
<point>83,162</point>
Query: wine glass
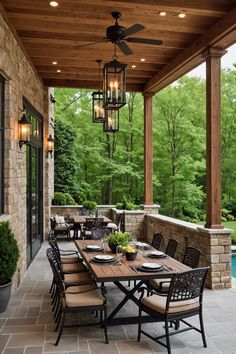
<point>119,251</point>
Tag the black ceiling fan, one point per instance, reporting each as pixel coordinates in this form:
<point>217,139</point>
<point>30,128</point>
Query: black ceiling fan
<point>118,35</point>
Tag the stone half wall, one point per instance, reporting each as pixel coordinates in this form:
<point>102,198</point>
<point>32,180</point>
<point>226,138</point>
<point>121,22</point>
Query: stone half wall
<point>21,81</point>
<point>215,246</point>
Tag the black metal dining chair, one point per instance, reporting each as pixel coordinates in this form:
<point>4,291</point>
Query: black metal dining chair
<point>184,300</point>
<point>171,247</point>
<point>77,299</point>
<point>89,225</point>
<point>157,240</point>
<point>191,257</point>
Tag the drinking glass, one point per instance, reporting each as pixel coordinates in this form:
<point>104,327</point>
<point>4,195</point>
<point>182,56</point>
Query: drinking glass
<point>119,251</point>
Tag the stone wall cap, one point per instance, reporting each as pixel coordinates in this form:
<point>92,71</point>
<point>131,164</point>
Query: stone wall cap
<point>150,205</point>
<point>214,231</point>
<point>120,211</point>
<point>80,206</point>
<point>174,221</point>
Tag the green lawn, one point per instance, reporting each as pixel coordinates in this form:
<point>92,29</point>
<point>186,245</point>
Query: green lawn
<point>228,225</point>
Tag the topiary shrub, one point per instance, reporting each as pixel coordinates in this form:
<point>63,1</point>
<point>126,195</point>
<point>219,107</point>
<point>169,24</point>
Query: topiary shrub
<point>9,253</point>
<point>63,199</point>
<point>126,204</point>
<point>59,198</point>
<point>89,204</point>
<point>69,199</point>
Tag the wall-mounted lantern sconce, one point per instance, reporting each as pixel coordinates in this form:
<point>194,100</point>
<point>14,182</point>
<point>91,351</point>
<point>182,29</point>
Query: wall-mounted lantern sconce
<point>24,130</point>
<point>52,99</point>
<point>50,147</point>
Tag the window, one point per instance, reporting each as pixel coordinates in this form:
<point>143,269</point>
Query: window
<point>1,144</point>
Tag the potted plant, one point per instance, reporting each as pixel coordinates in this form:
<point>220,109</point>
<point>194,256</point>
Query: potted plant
<point>119,238</point>
<point>90,207</point>
<point>130,253</point>
<point>9,255</point>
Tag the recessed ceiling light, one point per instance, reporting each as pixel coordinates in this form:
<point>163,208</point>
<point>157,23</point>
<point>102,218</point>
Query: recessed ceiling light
<point>133,66</point>
<point>54,62</point>
<point>162,13</point>
<point>58,71</point>
<point>53,3</point>
<point>181,15</point>
<point>142,59</point>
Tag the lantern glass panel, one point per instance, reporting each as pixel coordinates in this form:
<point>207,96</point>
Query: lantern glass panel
<point>114,85</point>
<point>111,124</point>
<point>98,110</point>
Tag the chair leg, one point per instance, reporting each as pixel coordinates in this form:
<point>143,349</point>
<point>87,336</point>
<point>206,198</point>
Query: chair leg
<point>202,329</point>
<point>105,326</point>
<point>139,325</point>
<point>167,336</point>
<point>61,328</point>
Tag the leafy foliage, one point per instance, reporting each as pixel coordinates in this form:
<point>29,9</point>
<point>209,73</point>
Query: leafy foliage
<point>89,204</point>
<point>9,253</point>
<point>119,238</point>
<point>63,199</point>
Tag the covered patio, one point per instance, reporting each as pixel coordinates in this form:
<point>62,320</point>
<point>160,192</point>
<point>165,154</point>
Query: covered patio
<point>46,46</point>
<point>28,326</point>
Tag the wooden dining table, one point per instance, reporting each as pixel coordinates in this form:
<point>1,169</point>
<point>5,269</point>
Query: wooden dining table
<point>81,219</point>
<point>122,270</point>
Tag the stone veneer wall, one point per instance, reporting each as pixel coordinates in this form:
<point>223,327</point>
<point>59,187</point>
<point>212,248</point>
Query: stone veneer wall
<point>21,80</point>
<point>69,211</point>
<point>215,246</point>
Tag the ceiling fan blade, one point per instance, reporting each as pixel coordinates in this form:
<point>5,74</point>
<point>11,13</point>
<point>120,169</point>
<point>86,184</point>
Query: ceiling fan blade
<point>144,41</point>
<point>133,29</point>
<point>125,48</point>
<point>91,43</point>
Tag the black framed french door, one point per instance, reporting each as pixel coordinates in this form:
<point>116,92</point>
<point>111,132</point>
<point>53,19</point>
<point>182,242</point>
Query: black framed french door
<point>34,174</point>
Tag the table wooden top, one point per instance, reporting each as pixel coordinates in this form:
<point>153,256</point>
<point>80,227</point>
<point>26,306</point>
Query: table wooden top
<point>81,219</point>
<point>123,270</point>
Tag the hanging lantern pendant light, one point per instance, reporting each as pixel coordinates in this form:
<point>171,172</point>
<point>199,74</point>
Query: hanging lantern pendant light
<point>114,84</point>
<point>97,104</point>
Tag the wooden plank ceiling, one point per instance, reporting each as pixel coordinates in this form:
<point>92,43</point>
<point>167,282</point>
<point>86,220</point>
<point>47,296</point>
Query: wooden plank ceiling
<point>51,34</point>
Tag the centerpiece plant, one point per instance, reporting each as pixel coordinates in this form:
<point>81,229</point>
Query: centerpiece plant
<point>119,238</point>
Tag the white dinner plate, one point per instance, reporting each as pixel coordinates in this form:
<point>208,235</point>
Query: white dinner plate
<point>93,247</point>
<point>157,253</point>
<point>151,265</point>
<point>104,257</point>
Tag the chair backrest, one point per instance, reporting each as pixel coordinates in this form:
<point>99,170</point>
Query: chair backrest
<point>83,212</point>
<point>191,257</point>
<point>55,269</point>
<point>171,248</point>
<point>99,233</point>
<point>120,221</point>
<point>186,285</point>
<point>53,244</point>
<point>93,223</point>
<point>52,223</point>
<point>157,240</point>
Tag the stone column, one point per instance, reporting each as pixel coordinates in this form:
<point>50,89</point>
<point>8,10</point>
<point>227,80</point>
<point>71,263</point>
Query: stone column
<point>213,166</point>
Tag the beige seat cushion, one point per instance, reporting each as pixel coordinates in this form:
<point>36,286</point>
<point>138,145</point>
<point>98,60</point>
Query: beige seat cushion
<point>156,283</point>
<point>73,267</point>
<point>77,277</point>
<point>70,259</point>
<point>158,303</point>
<point>77,288</point>
<point>112,225</point>
<point>90,298</point>
<point>61,227</point>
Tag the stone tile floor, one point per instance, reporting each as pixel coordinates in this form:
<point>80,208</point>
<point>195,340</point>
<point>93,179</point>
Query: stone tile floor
<point>27,326</point>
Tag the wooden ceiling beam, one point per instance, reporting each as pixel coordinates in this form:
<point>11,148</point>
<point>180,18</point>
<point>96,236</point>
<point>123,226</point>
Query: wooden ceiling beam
<point>192,55</point>
<point>85,84</point>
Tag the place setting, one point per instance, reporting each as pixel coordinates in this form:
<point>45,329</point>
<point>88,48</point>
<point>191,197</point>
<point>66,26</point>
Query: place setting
<point>93,248</point>
<point>105,259</point>
<point>148,267</point>
<point>156,254</point>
